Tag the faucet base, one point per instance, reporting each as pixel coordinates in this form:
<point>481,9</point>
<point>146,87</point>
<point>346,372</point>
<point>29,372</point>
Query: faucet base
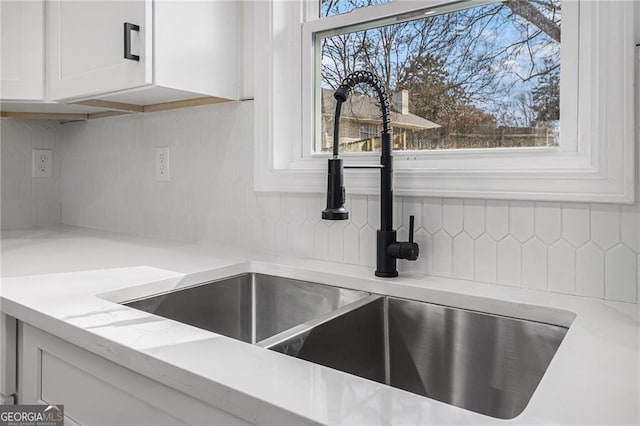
<point>386,274</point>
<point>386,264</point>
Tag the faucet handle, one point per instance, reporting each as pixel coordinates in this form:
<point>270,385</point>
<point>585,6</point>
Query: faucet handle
<point>411,220</point>
<point>405,250</point>
<point>410,250</point>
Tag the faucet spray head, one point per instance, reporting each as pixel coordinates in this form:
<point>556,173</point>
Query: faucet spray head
<point>335,192</point>
<point>342,93</point>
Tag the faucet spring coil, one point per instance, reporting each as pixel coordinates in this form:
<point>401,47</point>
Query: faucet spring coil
<point>355,78</point>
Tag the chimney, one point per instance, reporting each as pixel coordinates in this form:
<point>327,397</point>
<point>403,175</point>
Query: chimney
<point>401,101</point>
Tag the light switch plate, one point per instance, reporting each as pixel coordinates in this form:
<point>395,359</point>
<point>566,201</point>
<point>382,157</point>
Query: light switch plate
<point>42,163</point>
<point>162,164</point>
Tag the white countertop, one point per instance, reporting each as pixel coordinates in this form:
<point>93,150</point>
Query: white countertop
<point>52,278</point>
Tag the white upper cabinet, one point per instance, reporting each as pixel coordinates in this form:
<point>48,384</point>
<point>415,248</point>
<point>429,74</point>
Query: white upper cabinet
<point>85,47</point>
<point>197,46</point>
<point>21,50</point>
<point>141,51</point>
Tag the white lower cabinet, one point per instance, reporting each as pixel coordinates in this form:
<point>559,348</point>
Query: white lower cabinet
<point>96,391</point>
<point>8,330</point>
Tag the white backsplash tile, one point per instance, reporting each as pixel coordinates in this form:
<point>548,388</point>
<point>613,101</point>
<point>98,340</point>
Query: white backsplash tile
<point>474,218</point>
<point>367,244</point>
<point>497,217</point>
<point>299,239</point>
<point>562,258</point>
<point>412,206</point>
<point>281,236</point>
<point>351,244</point>
<point>534,264</point>
<point>398,217</point>
<point>336,241</point>
<point>442,254</point>
<point>588,250</point>
<point>521,220</point>
<point>590,271</point>
<point>321,240</point>
<point>605,225</point>
<point>402,233</point>
<point>432,214</point>
<point>638,279</point>
<point>358,210</point>
<point>484,259</point>
<point>575,223</point>
<point>630,227</point>
<point>315,204</point>
<point>463,256</point>
<point>452,216</point>
<point>548,222</point>
<point>424,240</point>
<point>373,210</point>
<point>26,201</point>
<point>620,274</point>
<point>509,262</point>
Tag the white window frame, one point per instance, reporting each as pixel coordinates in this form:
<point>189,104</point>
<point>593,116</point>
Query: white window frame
<point>594,163</point>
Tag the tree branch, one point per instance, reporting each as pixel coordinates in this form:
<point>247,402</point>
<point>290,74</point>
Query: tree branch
<point>533,15</point>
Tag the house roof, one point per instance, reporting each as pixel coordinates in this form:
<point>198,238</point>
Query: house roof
<point>366,109</point>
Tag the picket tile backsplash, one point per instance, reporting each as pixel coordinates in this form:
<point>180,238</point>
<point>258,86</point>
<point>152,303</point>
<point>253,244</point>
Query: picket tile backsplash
<point>108,183</point>
<point>26,201</point>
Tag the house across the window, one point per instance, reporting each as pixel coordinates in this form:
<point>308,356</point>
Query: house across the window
<point>360,129</point>
<point>360,122</point>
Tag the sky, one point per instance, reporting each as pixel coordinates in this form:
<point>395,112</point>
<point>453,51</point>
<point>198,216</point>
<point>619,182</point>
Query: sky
<point>508,72</point>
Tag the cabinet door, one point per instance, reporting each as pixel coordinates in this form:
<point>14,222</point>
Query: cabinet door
<point>95,391</point>
<point>86,47</point>
<point>21,50</point>
<point>8,348</point>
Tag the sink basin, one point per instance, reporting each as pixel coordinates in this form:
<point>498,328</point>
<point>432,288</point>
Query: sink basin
<point>249,307</point>
<point>481,362</point>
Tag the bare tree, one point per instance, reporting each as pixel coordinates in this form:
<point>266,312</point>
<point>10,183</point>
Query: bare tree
<point>529,12</point>
<point>481,56</point>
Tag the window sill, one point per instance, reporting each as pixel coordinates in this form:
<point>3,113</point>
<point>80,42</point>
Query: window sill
<point>579,186</point>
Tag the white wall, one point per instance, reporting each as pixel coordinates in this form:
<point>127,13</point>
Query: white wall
<point>109,176</point>
<point>108,183</point>
<point>27,201</point>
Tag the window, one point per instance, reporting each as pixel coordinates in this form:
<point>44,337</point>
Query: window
<point>368,131</point>
<point>591,159</point>
<point>481,77</point>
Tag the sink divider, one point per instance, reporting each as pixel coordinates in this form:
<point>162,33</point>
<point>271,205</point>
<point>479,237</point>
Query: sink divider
<point>306,326</point>
<point>387,346</point>
<point>253,309</point>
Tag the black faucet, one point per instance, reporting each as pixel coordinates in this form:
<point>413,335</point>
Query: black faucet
<point>388,248</point>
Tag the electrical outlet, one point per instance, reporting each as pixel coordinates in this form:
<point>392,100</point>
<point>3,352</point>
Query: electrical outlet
<point>42,163</point>
<point>162,164</point>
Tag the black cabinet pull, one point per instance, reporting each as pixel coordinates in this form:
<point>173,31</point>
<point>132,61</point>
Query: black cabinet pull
<point>128,27</point>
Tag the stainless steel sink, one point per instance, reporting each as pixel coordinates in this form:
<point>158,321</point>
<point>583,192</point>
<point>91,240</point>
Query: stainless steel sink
<point>249,307</point>
<point>481,362</point>
<point>485,363</point>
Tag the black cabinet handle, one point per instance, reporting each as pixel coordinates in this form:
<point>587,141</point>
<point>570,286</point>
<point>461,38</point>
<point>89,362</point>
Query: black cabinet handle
<point>128,27</point>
